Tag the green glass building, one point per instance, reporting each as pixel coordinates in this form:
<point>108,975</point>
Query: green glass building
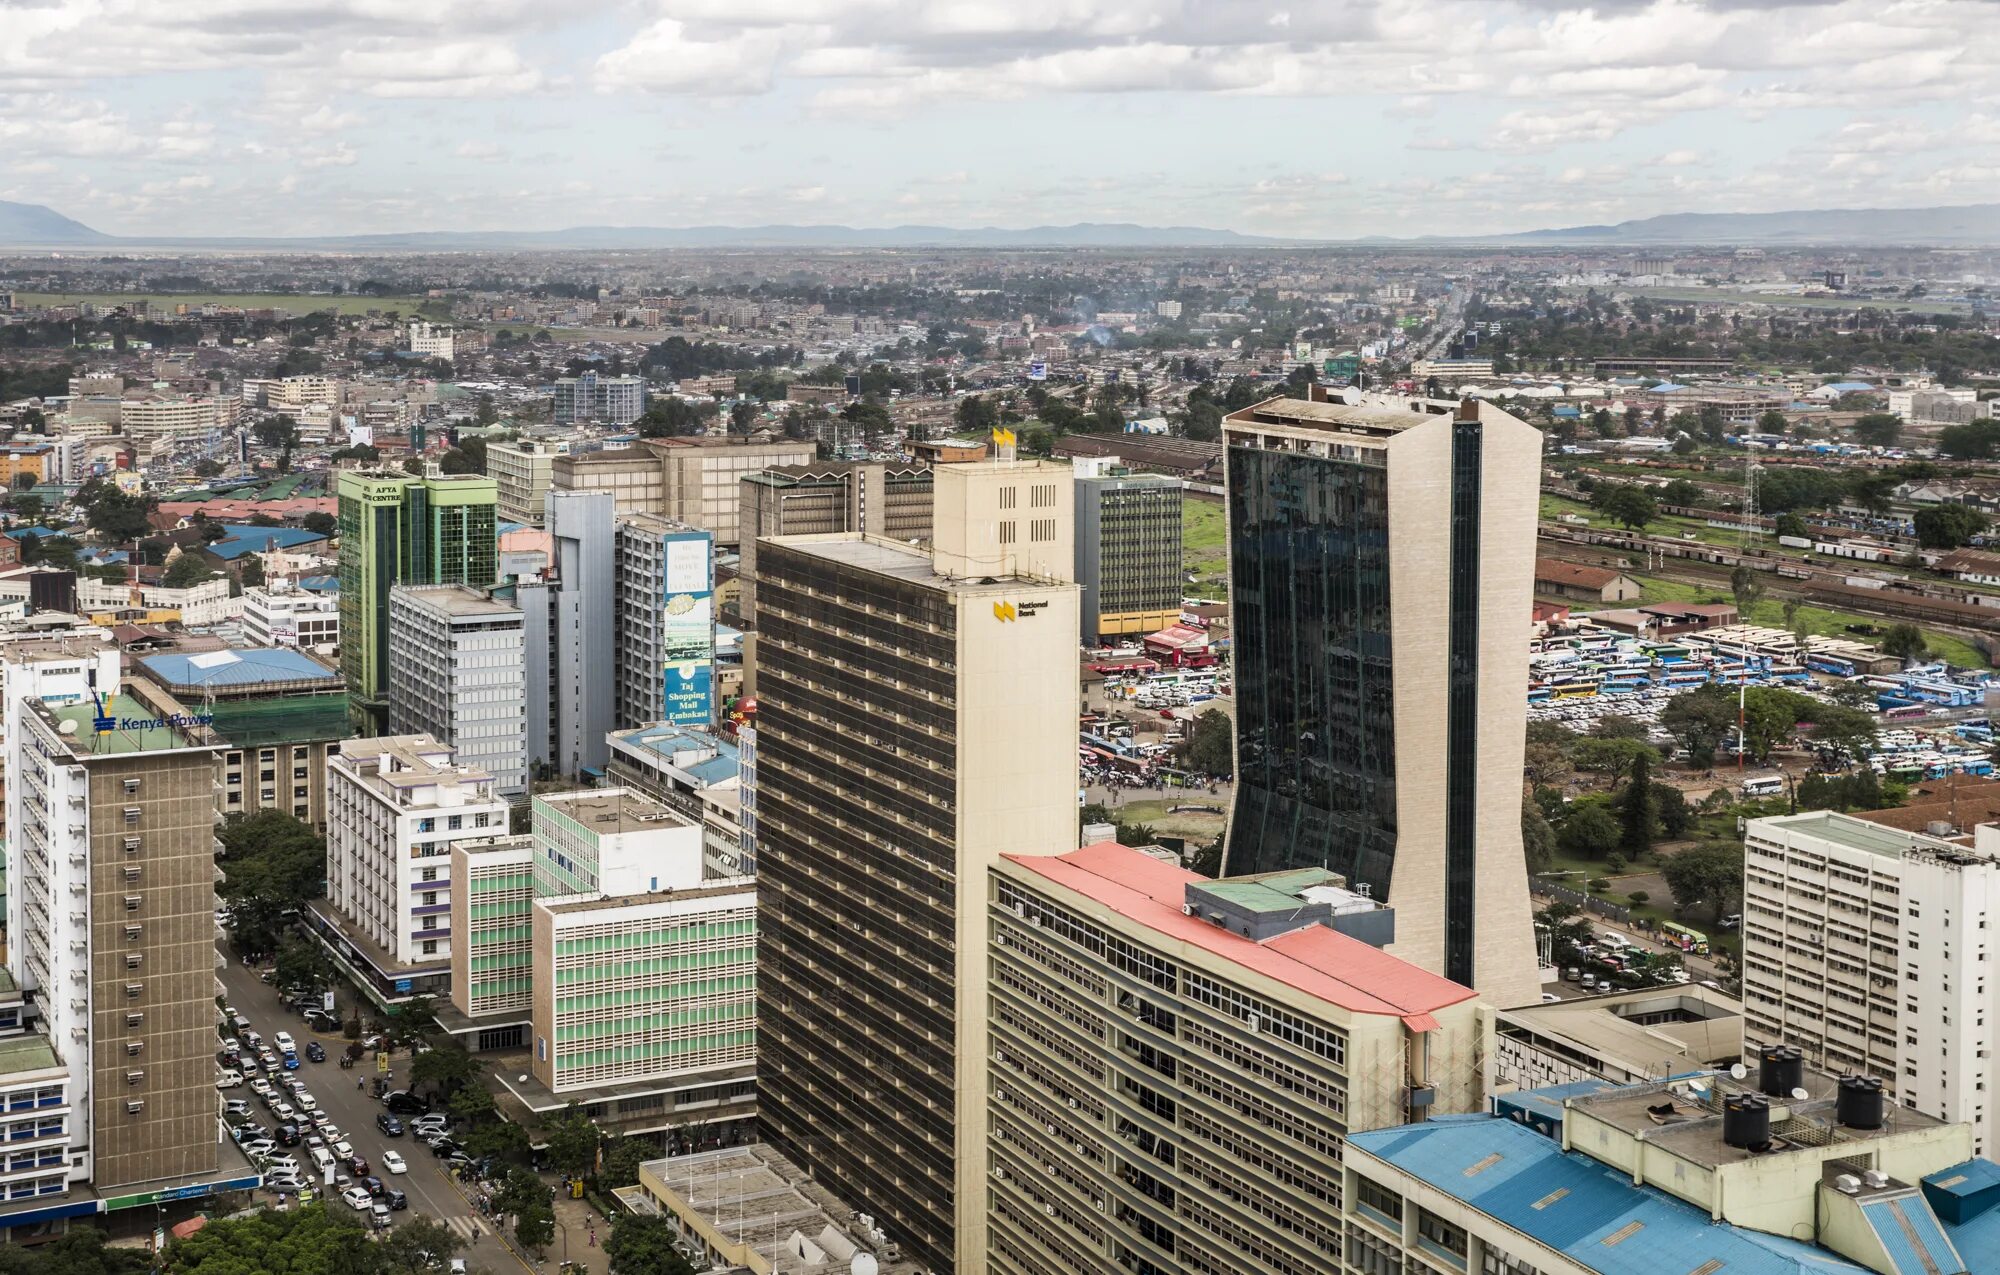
<point>398,528</point>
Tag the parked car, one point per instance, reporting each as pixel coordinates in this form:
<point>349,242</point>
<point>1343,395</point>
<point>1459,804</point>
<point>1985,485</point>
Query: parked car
<point>373,1185</point>
<point>358,1200</point>
<point>378,1215</point>
<point>236,1107</point>
<point>357,1165</point>
<point>397,1200</point>
<point>228,1079</point>
<point>288,1135</point>
<point>404,1103</point>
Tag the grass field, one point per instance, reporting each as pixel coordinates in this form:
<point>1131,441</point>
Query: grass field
<point>1195,825</point>
<point>248,300</point>
<point>1204,539</point>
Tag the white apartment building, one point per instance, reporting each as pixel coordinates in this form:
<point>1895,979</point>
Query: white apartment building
<point>294,392</point>
<point>162,422</point>
<point>456,655</point>
<point>1866,947</point>
<point>395,805</point>
<point>282,614</point>
<point>432,340</point>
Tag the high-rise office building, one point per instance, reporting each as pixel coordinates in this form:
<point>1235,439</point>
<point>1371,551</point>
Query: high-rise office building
<point>396,528</point>
<point>111,878</point>
<point>916,721</point>
<point>614,400</point>
<point>1865,947</point>
<point>1381,557</point>
<point>583,627</point>
<point>875,497</point>
<point>1128,549</point>
<point>1194,1054</point>
<point>665,659</point>
<point>457,656</point>
<point>396,805</point>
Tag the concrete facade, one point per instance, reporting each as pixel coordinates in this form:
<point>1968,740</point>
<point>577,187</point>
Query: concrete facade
<point>873,497</point>
<point>457,652</point>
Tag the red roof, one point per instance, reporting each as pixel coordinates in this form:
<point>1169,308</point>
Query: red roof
<point>1179,636</point>
<point>1316,960</point>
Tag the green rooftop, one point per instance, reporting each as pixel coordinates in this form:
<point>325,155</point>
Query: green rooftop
<point>26,1053</point>
<point>134,728</point>
<point>1271,891</point>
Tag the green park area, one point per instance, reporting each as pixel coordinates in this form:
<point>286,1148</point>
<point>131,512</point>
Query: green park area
<point>1205,540</point>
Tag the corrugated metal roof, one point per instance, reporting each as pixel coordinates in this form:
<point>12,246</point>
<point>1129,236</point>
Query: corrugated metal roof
<point>1317,960</point>
<point>246,667</point>
<point>1588,1211</point>
<point>1911,1235</point>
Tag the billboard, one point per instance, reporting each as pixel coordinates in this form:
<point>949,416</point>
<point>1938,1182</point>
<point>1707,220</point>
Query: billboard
<point>687,632</point>
<point>1038,371</point>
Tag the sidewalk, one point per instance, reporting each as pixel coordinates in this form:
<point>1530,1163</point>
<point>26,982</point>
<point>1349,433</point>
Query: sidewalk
<point>580,1220</point>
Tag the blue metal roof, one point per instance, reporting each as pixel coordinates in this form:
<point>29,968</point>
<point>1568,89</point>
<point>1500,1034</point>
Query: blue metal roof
<point>244,538</point>
<point>1586,1210</point>
<point>320,584</point>
<point>667,740</point>
<point>1910,1235</point>
<point>247,667</point>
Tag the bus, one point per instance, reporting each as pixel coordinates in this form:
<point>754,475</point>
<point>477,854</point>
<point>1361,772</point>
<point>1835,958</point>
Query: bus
<point>1687,940</point>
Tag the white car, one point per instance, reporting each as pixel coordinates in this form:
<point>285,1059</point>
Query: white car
<point>358,1199</point>
<point>283,1040</point>
<point>261,1087</point>
<point>343,1150</point>
<point>307,1102</point>
<point>393,1163</point>
<point>228,1079</point>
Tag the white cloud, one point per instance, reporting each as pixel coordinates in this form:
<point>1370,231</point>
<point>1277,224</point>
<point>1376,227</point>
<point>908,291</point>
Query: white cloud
<point>478,150</point>
<point>340,155</point>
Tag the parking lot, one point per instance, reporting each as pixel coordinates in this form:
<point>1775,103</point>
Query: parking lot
<point>430,1191</point>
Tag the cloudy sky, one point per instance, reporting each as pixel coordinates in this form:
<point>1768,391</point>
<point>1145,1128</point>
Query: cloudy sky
<point>1330,118</point>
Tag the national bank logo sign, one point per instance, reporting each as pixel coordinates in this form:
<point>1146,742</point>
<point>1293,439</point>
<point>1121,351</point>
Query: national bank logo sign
<point>1008,612</point>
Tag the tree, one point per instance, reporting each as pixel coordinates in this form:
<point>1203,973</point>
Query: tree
<point>1630,507</point>
<point>500,1139</point>
<point>1948,526</point>
<point>445,1069</point>
<point>471,1104</point>
<point>1589,832</point>
<point>1636,810</point>
<point>26,506</point>
<point>1203,419</point>
<point>1698,720</point>
<point>279,433</point>
<point>1746,585</point>
<point>273,864</point>
<point>1790,524</point>
<point>250,572</point>
<point>1546,763</point>
<point>1905,642</point>
<point>421,1245</point>
<point>1568,930</point>
<point>1675,816</point>
<point>572,1140</point>
<point>185,571</point>
<point>79,1252</point>
<point>1681,492</point>
<point>1878,429</point>
<point>1210,745</point>
<point>1538,839</point>
<point>535,1226</point>
<point>977,413</point>
<point>323,524</point>
<point>1618,726</point>
<point>1979,440</point>
<point>622,1158</point>
<point>118,517</point>
<point>1609,756</point>
<point>1708,875</point>
<point>1872,491</point>
<point>310,1238</point>
<point>303,965</point>
<point>521,1190</point>
<point>742,416</point>
<point>643,1244</point>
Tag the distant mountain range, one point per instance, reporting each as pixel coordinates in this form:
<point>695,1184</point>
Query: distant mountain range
<point>33,226</point>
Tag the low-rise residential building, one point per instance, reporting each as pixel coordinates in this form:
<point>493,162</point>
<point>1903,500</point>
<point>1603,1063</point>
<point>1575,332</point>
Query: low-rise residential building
<point>396,804</point>
<point>1625,1036</point>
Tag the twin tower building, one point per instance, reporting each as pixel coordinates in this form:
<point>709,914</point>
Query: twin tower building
<point>916,733</point>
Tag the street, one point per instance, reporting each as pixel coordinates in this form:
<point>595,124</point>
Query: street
<point>431,1191</point>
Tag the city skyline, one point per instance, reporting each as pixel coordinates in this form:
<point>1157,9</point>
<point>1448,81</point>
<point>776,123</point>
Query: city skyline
<point>1442,117</point>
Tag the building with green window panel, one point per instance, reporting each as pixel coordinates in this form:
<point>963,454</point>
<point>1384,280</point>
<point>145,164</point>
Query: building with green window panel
<point>597,944</point>
<point>398,528</point>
